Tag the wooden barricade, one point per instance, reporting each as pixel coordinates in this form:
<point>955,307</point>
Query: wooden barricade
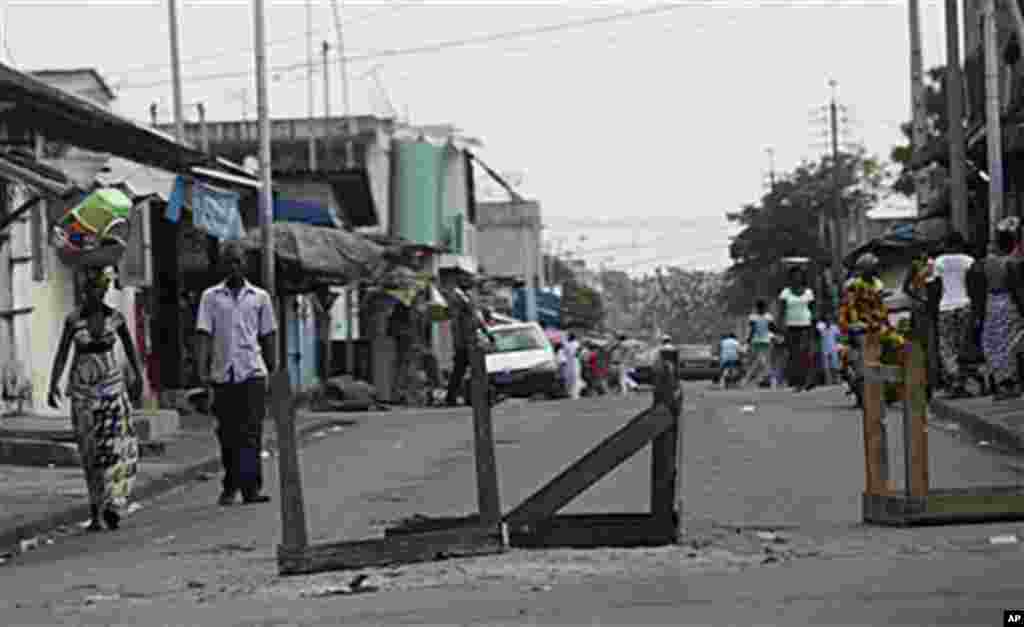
<point>536,523</point>
<point>882,501</point>
<point>295,555</point>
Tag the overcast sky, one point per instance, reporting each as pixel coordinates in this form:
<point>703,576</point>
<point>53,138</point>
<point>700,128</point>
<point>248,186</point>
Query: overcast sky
<point>637,132</point>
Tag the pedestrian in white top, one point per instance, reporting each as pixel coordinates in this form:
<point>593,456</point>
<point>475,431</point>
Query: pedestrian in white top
<point>951,269</point>
<point>796,313</point>
<point>236,320</point>
<point>571,349</point>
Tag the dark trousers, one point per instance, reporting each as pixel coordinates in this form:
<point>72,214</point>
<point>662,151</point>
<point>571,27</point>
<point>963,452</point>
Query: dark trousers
<point>800,370</point>
<point>455,381</point>
<point>240,409</point>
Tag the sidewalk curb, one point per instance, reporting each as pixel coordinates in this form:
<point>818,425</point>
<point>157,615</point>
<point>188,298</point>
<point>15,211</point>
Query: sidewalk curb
<point>978,427</point>
<point>153,488</point>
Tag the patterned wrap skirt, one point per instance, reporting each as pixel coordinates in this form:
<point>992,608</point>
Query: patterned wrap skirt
<point>1001,336</point>
<point>101,412</point>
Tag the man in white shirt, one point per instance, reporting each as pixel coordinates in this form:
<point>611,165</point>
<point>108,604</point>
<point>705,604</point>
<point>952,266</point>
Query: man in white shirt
<point>236,331</point>
<point>951,269</point>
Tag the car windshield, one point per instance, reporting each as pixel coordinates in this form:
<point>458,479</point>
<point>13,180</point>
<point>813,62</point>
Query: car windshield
<point>517,339</point>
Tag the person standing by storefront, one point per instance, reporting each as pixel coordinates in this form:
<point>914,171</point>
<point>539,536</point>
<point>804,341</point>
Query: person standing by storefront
<point>236,330</point>
<point>951,268</point>
<point>466,322</point>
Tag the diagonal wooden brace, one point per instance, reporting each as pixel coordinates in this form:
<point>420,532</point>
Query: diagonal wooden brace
<point>593,466</point>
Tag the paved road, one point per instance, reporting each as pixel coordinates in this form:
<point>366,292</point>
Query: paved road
<point>797,459</point>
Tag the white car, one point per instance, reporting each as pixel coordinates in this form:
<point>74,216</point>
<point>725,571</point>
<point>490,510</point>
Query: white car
<point>522,362</point>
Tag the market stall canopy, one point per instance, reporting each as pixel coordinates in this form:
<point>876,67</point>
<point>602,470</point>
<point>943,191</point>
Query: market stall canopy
<point>315,255</point>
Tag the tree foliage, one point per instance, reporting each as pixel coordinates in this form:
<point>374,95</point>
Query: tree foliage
<point>785,222</point>
<point>936,126</point>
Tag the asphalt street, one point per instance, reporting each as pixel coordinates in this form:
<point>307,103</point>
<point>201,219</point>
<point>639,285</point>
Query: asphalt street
<point>754,458</point>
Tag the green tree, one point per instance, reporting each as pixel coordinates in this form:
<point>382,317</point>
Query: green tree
<point>785,222</point>
<point>686,304</point>
<point>936,148</point>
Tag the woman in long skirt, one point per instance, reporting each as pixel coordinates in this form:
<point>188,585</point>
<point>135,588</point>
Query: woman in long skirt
<point>101,408</point>
<point>1003,330</point>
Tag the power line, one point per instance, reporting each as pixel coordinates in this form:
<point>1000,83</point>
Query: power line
<point>435,47</point>
<point>239,51</point>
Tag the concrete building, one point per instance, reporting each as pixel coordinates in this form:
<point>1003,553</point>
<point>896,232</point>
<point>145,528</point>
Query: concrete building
<point>415,183</point>
<point>509,239</point>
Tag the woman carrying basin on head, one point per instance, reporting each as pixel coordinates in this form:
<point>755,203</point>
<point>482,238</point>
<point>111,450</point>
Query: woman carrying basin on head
<point>101,407</point>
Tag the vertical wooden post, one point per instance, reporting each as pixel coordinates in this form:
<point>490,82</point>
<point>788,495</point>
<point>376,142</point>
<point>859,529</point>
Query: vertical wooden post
<point>916,415</point>
<point>874,481</point>
<point>664,447</point>
<point>483,445</point>
<point>294,534</point>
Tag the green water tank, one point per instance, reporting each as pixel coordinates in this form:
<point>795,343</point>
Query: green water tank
<point>418,185</point>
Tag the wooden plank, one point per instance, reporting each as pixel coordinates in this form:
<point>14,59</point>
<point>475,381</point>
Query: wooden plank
<point>294,531</point>
<point>976,504</point>
<point>663,472</point>
<point>488,499</point>
<point>916,416</point>
<point>874,482</point>
<point>594,465</point>
<point>595,530</point>
<point>401,549</point>
<point>425,525</point>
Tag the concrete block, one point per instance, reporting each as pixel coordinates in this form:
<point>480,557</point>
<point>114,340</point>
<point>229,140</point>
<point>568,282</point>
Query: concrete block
<point>27,452</point>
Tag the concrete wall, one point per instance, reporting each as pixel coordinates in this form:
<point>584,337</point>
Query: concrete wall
<point>509,238</point>
<point>378,166</point>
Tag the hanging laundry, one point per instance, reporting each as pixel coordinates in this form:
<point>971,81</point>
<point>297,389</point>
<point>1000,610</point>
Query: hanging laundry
<point>176,201</point>
<point>213,211</point>
<point>216,212</point>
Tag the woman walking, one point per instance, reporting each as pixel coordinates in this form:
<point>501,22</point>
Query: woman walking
<point>1004,326</point>
<point>796,307</point>
<point>760,340</point>
<point>951,268</point>
<point>100,405</point>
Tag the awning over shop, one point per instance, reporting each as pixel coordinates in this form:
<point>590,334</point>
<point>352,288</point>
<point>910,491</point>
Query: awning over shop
<point>28,103</point>
<point>315,255</point>
<point>305,212</point>
<point>45,179</point>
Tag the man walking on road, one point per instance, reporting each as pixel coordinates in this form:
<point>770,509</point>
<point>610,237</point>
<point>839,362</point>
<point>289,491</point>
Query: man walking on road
<point>465,323</point>
<point>235,354</point>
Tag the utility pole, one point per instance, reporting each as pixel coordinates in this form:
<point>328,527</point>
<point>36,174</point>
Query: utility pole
<point>771,167</point>
<point>204,132</point>
<point>955,115</point>
<point>837,219</point>
<point>346,104</point>
<point>266,191</point>
<point>325,49</point>
<point>992,115</point>
<point>179,108</point>
<point>310,98</point>
<point>917,113</point>
<point>178,334</point>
